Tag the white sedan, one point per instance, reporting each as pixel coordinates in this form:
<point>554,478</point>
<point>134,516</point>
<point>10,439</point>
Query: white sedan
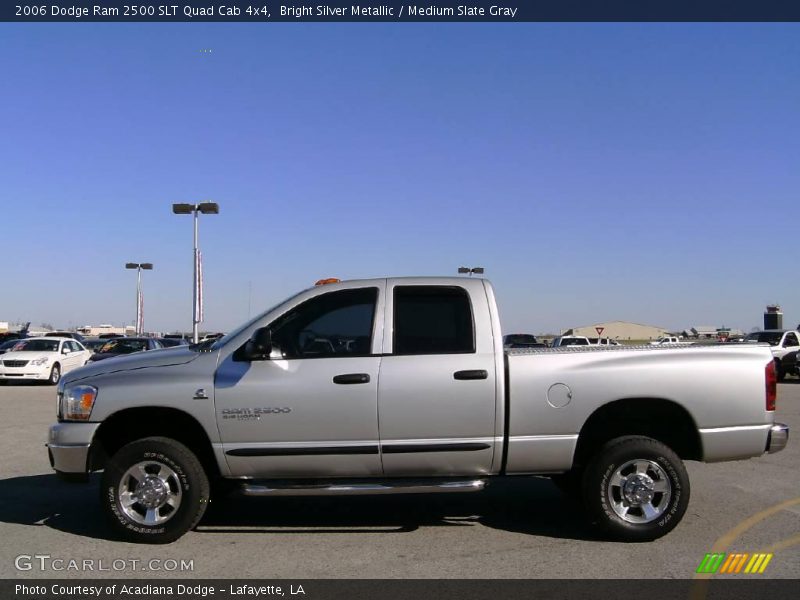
<point>42,359</point>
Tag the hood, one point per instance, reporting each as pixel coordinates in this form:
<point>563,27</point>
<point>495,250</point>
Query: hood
<point>129,362</point>
<point>28,355</point>
<point>104,355</point>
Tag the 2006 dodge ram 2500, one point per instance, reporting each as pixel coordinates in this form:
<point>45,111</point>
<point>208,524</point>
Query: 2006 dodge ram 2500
<point>402,386</point>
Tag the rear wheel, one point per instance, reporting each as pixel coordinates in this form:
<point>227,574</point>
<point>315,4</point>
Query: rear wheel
<point>636,489</point>
<point>154,490</point>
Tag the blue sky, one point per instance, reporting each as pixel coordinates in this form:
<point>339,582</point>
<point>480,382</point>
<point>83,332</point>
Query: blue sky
<point>642,172</point>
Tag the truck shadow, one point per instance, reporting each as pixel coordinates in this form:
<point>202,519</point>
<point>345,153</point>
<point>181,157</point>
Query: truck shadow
<point>531,506</point>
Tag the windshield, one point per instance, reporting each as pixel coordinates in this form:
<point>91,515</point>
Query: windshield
<point>37,346</point>
<point>772,338</point>
<point>123,346</point>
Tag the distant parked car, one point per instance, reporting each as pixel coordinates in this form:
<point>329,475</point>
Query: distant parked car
<point>42,359</point>
<point>8,345</point>
<point>603,342</point>
<point>94,343</point>
<point>784,345</point>
<point>126,345</point>
<point>570,340</point>
<point>667,340</point>
<point>172,342</point>
<point>13,335</point>
<point>66,334</point>
<point>522,340</point>
<point>108,336</point>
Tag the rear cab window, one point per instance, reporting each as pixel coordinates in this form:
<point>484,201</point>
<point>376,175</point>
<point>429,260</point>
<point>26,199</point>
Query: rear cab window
<point>432,320</point>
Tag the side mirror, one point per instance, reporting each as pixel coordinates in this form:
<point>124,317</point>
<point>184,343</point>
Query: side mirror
<point>259,346</point>
<point>65,351</point>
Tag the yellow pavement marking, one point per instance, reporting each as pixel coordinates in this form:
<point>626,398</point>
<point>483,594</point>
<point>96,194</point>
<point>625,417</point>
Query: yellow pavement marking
<point>783,544</point>
<point>728,538</point>
<point>766,562</point>
<point>699,589</point>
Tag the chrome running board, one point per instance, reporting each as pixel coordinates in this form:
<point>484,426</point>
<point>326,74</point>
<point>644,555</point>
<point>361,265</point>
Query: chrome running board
<point>362,489</point>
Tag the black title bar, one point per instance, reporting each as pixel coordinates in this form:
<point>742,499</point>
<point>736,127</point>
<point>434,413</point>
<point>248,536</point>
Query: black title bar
<point>509,11</point>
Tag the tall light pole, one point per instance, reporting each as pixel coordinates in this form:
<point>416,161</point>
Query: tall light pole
<point>139,299</point>
<point>207,208</point>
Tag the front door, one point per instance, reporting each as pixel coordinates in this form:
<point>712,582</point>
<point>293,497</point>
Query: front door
<point>437,390</point>
<point>311,410</point>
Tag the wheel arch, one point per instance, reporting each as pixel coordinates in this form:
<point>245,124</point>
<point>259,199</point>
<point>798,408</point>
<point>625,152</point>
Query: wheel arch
<point>658,418</point>
<point>130,424</point>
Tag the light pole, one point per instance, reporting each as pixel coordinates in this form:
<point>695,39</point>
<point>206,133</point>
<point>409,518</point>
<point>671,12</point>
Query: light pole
<point>139,299</point>
<point>207,208</point>
<point>470,270</point>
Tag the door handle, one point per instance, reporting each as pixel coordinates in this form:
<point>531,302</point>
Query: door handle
<point>351,378</point>
<point>473,374</point>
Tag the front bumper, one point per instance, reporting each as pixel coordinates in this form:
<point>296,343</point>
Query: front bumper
<point>24,373</point>
<point>68,446</point>
<point>778,437</point>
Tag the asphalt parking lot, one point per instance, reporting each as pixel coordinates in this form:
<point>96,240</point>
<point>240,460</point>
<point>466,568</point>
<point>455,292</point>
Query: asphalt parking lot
<point>518,529</point>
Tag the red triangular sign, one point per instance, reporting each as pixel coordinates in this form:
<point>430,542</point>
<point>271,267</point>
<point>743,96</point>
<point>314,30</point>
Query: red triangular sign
<point>599,330</point>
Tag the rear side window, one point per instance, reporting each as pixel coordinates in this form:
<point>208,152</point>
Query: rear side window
<point>432,320</point>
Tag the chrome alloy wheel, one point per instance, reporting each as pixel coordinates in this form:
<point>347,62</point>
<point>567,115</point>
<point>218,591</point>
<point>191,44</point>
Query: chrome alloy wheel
<point>639,491</point>
<point>150,493</point>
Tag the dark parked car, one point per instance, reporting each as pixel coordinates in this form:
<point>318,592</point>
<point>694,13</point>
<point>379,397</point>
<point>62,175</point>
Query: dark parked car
<point>126,345</point>
<point>108,336</point>
<point>13,335</point>
<point>8,345</point>
<point>522,340</point>
<point>171,342</point>
<point>94,343</point>
<point>66,334</point>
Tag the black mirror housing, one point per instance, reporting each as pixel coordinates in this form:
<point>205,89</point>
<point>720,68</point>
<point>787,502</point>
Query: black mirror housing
<point>259,346</point>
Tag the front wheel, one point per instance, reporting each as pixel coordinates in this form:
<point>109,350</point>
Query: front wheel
<point>636,489</point>
<point>55,375</point>
<point>154,490</point>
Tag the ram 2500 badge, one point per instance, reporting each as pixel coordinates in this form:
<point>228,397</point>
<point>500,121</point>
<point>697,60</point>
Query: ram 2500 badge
<point>402,386</point>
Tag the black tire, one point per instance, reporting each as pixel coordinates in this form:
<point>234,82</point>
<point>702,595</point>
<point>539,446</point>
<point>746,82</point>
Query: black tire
<point>55,375</point>
<point>603,499</point>
<point>569,484</point>
<point>780,374</point>
<point>186,485</point>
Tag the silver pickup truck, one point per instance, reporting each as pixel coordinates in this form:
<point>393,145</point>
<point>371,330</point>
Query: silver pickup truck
<point>388,386</point>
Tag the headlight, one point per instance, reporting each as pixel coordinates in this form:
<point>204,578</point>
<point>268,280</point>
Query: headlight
<point>39,361</point>
<point>76,402</point>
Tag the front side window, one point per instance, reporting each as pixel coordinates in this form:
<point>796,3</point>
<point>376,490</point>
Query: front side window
<point>432,320</point>
<point>791,340</point>
<point>337,324</point>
